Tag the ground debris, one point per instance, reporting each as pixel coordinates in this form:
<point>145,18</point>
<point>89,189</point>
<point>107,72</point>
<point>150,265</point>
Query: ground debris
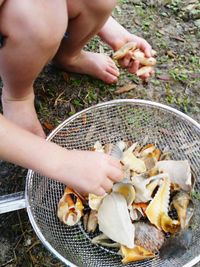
<point>125,88</point>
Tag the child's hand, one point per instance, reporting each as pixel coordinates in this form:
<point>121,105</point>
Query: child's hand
<point>133,65</point>
<point>90,172</point>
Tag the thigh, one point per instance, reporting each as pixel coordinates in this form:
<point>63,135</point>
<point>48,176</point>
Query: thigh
<point>93,8</point>
<point>74,8</point>
<point>33,15</point>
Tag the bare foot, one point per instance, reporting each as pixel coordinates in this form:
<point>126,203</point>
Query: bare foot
<point>22,112</point>
<point>97,65</point>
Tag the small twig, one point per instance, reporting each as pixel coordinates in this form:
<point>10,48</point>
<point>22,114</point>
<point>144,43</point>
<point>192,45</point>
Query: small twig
<point>58,98</point>
<point>18,242</point>
<point>10,261</point>
<point>21,225</point>
<point>15,256</point>
<point>33,259</point>
<point>33,245</point>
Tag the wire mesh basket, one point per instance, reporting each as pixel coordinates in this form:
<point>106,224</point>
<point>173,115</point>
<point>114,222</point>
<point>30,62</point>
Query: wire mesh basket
<point>135,120</point>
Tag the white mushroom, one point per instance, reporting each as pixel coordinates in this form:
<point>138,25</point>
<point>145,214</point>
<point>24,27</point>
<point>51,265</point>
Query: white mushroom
<point>144,187</point>
<point>94,201</point>
<point>114,220</point>
<point>179,172</point>
<point>132,162</point>
<point>125,189</point>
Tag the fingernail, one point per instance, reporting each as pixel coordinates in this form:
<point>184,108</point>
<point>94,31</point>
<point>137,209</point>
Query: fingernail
<point>126,62</point>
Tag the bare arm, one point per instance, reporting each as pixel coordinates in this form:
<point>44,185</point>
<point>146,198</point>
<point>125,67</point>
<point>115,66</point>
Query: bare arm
<point>114,34</point>
<point>27,150</point>
<point>77,169</point>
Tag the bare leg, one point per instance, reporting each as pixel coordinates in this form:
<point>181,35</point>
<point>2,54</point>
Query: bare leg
<point>86,18</point>
<point>32,39</point>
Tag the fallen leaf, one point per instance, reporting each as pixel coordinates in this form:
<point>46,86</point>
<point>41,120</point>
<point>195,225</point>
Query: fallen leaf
<point>72,108</point>
<point>195,75</point>
<point>178,38</point>
<point>67,133</point>
<point>137,22</point>
<point>84,119</point>
<point>162,32</point>
<point>66,76</point>
<point>191,1</point>
<point>101,49</point>
<point>171,54</point>
<point>48,126</point>
<point>125,88</point>
<point>164,77</point>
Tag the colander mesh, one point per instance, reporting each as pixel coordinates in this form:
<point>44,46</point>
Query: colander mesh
<point>111,122</point>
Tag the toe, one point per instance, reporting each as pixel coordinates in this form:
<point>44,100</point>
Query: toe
<point>111,62</point>
<point>113,71</point>
<point>113,65</point>
<point>109,78</point>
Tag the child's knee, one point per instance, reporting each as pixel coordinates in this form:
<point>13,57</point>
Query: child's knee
<point>23,24</point>
<point>47,34</point>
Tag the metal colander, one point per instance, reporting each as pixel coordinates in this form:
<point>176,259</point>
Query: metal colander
<point>135,120</point>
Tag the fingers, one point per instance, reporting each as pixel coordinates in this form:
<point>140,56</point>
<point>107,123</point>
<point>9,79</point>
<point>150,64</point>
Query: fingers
<point>145,47</point>
<point>134,66</point>
<point>107,185</point>
<point>115,163</point>
<point>115,174</point>
<point>147,75</point>
<point>125,61</point>
<point>99,191</point>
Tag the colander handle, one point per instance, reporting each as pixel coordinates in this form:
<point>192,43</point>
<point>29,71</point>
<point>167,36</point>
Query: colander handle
<point>12,202</point>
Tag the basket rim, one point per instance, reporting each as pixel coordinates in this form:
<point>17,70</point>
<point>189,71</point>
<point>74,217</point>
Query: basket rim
<point>126,101</point>
<point>30,172</point>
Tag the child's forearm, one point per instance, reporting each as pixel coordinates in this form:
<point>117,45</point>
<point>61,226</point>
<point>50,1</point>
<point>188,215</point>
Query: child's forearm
<point>27,150</point>
<point>77,169</point>
<point>113,33</point>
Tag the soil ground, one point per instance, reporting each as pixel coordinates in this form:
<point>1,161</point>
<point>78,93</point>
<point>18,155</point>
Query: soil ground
<point>172,27</point>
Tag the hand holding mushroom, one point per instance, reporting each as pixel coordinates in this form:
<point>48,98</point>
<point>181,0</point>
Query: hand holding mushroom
<point>136,59</point>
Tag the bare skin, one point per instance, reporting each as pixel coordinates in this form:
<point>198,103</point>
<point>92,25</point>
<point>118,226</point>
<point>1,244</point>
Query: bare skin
<point>1,2</point>
<point>98,65</point>
<point>17,110</point>
<point>27,49</point>
<point>116,36</point>
<point>35,40</point>
<point>71,56</point>
<point>76,169</point>
<point>19,65</point>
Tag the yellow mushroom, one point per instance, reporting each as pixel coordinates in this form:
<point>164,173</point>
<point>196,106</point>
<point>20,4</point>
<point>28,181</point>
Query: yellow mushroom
<point>135,254</point>
<point>70,207</point>
<point>130,46</point>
